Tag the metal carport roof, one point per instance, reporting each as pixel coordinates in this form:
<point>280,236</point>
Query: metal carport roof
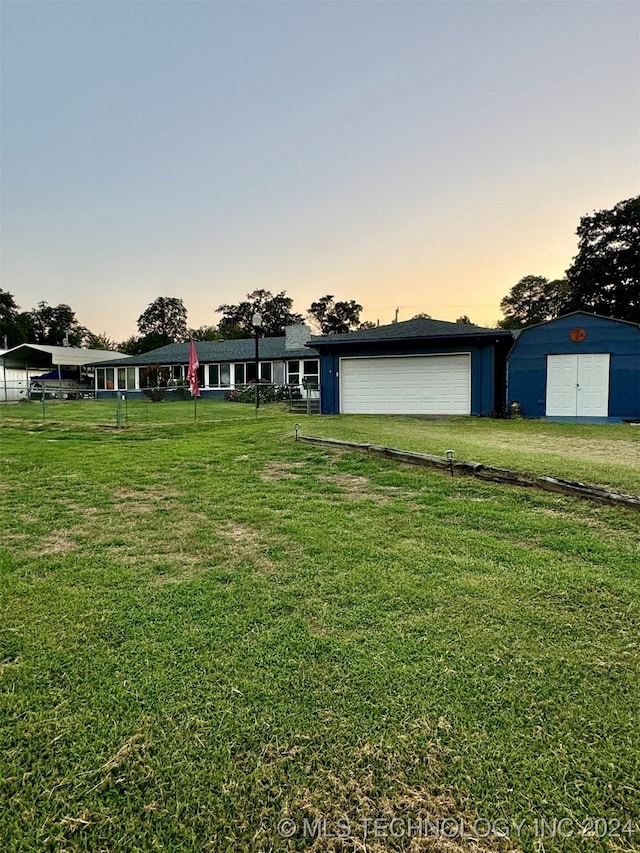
<point>38,356</point>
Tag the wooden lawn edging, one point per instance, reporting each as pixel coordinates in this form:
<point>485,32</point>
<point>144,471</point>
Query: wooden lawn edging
<point>484,472</point>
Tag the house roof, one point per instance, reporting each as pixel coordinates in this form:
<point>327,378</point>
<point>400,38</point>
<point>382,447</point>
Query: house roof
<point>43,355</point>
<point>421,328</point>
<point>242,349</point>
<point>587,314</point>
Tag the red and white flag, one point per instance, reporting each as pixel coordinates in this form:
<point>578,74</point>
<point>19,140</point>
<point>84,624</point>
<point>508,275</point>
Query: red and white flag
<point>192,372</point>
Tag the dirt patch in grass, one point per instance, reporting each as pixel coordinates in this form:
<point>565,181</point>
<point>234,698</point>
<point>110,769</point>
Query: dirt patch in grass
<point>411,819</point>
<point>58,542</point>
<point>355,488</point>
<point>347,803</point>
<point>244,542</point>
<point>184,568</point>
<point>81,509</point>
<point>273,471</point>
<point>144,500</point>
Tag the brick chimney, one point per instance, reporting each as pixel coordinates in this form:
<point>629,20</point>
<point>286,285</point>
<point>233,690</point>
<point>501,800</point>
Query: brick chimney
<point>296,336</point>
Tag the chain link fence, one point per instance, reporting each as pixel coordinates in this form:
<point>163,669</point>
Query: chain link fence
<point>159,405</point>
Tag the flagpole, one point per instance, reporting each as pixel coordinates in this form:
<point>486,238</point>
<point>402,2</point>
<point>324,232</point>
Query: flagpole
<point>192,377</point>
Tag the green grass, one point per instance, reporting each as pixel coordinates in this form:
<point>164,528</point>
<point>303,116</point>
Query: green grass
<point>603,454</point>
<point>208,627</point>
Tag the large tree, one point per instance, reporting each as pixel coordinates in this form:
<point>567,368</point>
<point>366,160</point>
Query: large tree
<point>11,328</point>
<point>55,325</point>
<point>44,324</point>
<point>334,318</point>
<point>532,300</point>
<point>275,311</point>
<point>604,277</point>
<point>164,322</point>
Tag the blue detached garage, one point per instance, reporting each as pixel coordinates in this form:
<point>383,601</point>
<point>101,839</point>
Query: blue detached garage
<point>417,367</point>
<point>580,366</point>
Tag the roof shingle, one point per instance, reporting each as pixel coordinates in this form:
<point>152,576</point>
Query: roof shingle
<point>412,329</point>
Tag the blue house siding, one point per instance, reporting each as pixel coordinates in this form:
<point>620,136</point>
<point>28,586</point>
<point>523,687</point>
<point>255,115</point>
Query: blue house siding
<point>486,398</point>
<point>527,366</point>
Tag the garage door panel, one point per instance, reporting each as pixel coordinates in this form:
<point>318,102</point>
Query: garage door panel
<point>406,385</point>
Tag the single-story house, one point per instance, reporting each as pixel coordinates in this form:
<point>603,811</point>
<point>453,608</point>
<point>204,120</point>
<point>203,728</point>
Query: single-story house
<point>415,367</point>
<point>67,369</point>
<point>580,366</point>
<point>224,365</point>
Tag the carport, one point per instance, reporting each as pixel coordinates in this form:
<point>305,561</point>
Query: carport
<point>22,362</point>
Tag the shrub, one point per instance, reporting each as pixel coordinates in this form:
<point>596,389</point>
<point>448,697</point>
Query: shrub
<point>267,393</point>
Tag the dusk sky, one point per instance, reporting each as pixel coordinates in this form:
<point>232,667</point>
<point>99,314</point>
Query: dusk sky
<point>423,155</point>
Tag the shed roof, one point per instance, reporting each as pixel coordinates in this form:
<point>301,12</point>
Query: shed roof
<point>43,355</point>
<point>241,349</point>
<point>420,328</point>
<point>586,314</point>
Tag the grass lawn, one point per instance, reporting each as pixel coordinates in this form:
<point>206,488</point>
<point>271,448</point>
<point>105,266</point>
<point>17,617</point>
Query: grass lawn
<point>207,628</point>
<point>602,454</point>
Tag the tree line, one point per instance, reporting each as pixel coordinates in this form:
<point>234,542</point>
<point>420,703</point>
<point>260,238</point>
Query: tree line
<point>164,321</point>
<point>604,278</point>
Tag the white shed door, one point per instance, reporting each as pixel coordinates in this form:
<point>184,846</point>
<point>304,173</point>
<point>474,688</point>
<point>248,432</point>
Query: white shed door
<point>578,385</point>
<point>406,385</point>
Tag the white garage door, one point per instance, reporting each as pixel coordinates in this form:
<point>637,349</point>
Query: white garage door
<point>406,385</point>
<point>578,385</point>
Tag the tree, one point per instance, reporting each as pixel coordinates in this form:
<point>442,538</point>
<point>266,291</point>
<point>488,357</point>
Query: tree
<point>422,316</point>
<point>137,344</point>
<point>164,322</point>
<point>275,311</point>
<point>100,341</point>
<point>205,333</point>
<point>11,327</point>
<point>604,277</point>
<point>131,346</point>
<point>334,318</point>
<point>532,300</point>
<point>464,321</point>
<point>55,325</point>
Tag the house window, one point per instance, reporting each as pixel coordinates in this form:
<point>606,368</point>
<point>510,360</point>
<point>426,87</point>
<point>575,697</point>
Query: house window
<point>177,371</point>
<point>266,371</point>
<point>297,370</point>
<point>219,375</point>
<point>131,378</point>
<point>311,369</point>
<point>100,379</point>
<point>122,379</point>
<point>109,378</point>
<point>245,372</point>
<point>293,372</point>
